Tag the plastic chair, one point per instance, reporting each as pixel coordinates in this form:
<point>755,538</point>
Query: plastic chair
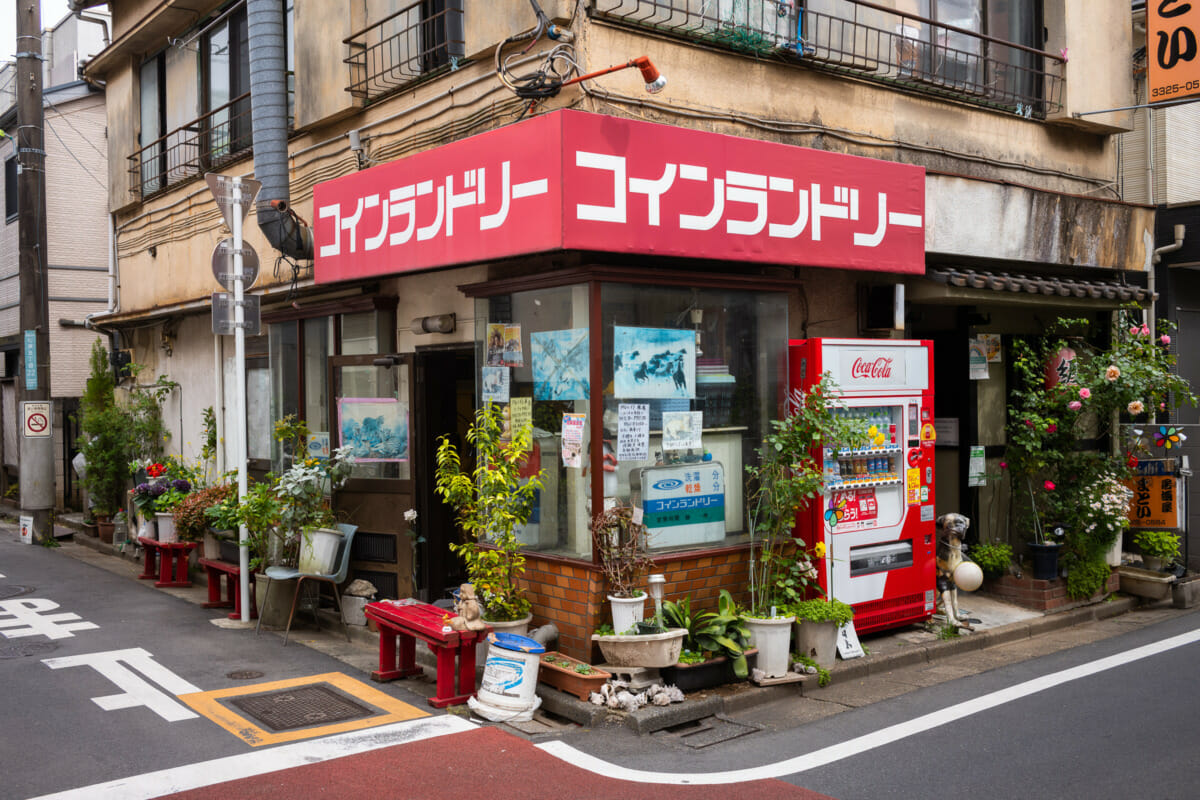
<point>334,579</point>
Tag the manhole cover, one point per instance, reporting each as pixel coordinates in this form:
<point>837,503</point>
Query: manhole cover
<point>243,675</point>
<point>26,649</point>
<point>13,590</point>
<point>714,730</point>
<point>300,708</point>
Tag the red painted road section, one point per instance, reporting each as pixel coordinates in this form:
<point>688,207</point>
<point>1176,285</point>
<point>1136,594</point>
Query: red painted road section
<point>486,763</point>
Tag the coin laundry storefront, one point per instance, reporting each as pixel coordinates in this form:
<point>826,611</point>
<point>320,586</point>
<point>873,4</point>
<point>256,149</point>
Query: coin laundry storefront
<point>632,293</point>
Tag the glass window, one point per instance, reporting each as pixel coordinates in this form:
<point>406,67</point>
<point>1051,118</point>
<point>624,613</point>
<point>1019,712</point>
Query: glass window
<point>225,65</point>
<point>318,344</point>
<point>153,119</point>
<point>676,352</point>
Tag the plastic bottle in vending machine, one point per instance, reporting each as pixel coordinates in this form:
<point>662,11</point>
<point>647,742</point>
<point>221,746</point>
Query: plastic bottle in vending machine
<point>892,433</point>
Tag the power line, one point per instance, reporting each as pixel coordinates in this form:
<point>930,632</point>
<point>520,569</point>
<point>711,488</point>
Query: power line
<point>71,153</point>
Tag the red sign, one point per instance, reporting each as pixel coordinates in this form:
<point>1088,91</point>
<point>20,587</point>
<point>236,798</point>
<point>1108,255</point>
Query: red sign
<point>570,180</point>
<point>855,508</point>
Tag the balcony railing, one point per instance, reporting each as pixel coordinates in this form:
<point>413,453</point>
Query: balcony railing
<point>868,41</point>
<point>414,43</point>
<point>202,145</point>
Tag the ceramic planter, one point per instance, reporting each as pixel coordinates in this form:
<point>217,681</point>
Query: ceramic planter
<point>773,637</point>
<point>627,611</point>
<point>105,531</point>
<point>560,672</point>
<point>817,640</point>
<point>518,626</point>
<point>212,543</point>
<point>707,674</point>
<point>166,527</point>
<point>1145,583</point>
<point>318,551</point>
<point>647,650</point>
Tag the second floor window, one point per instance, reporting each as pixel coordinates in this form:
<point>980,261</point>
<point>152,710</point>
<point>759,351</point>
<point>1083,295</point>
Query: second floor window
<point>225,81</point>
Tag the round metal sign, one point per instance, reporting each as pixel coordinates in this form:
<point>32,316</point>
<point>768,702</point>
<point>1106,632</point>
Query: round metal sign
<point>222,264</point>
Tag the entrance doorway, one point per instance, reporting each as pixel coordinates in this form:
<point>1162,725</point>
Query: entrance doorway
<point>445,406</point>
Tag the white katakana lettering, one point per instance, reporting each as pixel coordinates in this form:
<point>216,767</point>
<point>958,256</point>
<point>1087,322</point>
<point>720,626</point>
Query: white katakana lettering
<point>844,206</point>
<point>28,619</point>
<point>429,231</point>
<point>747,187</point>
<point>135,691</point>
<point>704,222</point>
<point>796,228</point>
<point>615,165</point>
<point>654,190</point>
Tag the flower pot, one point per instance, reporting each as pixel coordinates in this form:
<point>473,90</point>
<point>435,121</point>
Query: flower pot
<point>274,615</point>
<point>560,672</point>
<point>518,626</point>
<point>707,674</point>
<point>105,531</point>
<point>1145,583</point>
<point>1152,563</point>
<point>626,611</point>
<point>318,551</point>
<point>1185,592</point>
<point>773,637</point>
<point>816,640</point>
<point>166,527</point>
<point>91,528</point>
<point>148,528</point>
<point>648,650</point>
<point>212,543</point>
<point>1045,560</point>
<point>229,550</point>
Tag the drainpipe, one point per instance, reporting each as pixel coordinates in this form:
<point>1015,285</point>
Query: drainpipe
<point>268,105</point>
<point>1180,230</point>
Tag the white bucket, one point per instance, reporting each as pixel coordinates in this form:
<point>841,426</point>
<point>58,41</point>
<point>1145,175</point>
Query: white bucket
<point>166,527</point>
<point>352,610</point>
<point>510,674</point>
<point>318,550</point>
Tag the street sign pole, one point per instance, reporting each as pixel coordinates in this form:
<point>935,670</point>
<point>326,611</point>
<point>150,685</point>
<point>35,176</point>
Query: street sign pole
<point>239,410</point>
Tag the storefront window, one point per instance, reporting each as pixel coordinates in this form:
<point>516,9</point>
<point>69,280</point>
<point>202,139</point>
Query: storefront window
<point>689,380</point>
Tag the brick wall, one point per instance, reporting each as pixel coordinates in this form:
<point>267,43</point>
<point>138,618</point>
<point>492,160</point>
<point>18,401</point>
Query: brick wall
<point>1042,595</point>
<point>572,595</point>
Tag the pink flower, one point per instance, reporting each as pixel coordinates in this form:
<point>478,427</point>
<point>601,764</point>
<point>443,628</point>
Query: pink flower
<point>1112,373</point>
<point>1074,405</point>
<point>1135,407</point>
<point>1165,339</point>
<point>1085,393</point>
<point>1049,486</point>
<point>1028,423</point>
<point>1051,428</point>
<point>1145,329</point>
<point>1133,331</point>
<point>1162,405</point>
<point>1003,465</point>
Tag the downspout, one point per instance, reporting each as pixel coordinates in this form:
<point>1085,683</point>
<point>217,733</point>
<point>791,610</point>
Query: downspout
<point>1180,230</point>
<point>268,105</point>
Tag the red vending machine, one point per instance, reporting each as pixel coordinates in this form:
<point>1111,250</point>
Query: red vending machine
<point>876,515</point>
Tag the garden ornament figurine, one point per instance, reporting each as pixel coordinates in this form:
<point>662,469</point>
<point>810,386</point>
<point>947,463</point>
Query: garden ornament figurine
<point>952,528</point>
<point>469,618</point>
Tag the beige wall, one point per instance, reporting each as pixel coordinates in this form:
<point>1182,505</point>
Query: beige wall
<point>1098,41</point>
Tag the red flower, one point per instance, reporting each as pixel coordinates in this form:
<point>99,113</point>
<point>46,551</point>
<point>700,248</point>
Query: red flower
<point>1051,428</point>
<point>155,470</point>
<point>1050,487</point>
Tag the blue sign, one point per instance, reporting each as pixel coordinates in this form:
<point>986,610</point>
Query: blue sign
<point>31,367</point>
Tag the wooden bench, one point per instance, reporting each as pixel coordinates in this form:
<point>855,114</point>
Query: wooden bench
<point>401,623</point>
<point>216,570</point>
<point>166,561</point>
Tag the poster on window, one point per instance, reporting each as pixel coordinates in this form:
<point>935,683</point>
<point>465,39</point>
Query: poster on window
<point>682,429</point>
<point>633,432</point>
<point>495,383</point>
<point>514,356</point>
<point>654,362</point>
<point>495,343</point>
<point>560,364</point>
<point>373,428</point>
<point>572,440</point>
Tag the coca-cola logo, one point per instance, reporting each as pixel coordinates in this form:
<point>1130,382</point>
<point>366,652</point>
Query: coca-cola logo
<point>877,369</point>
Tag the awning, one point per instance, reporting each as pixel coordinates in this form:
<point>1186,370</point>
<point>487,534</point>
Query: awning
<point>960,284</point>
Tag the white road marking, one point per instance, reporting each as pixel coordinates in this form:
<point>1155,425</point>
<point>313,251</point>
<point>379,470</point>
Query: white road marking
<point>137,692</point>
<point>861,744</point>
<point>28,618</point>
<point>260,762</point>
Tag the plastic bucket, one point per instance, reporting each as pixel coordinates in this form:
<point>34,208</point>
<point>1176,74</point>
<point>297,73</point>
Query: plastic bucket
<point>318,551</point>
<point>510,674</point>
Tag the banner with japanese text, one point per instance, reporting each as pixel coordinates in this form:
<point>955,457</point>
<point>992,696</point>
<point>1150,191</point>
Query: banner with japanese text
<point>1172,51</point>
<point>571,180</point>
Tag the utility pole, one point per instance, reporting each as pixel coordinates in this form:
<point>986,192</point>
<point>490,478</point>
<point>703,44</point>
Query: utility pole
<point>37,421</point>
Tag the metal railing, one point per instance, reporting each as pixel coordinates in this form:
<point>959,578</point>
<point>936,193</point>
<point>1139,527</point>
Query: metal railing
<point>206,143</point>
<point>868,41</point>
<point>414,43</point>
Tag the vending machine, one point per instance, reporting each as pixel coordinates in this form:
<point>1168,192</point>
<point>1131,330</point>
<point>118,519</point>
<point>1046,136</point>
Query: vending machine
<point>876,515</point>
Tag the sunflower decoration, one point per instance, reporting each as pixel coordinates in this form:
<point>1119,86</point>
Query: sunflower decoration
<point>1168,437</point>
<point>835,512</point>
<point>875,436</point>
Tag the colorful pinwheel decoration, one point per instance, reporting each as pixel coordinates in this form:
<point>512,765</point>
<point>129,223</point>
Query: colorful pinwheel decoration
<point>835,512</point>
<point>1168,437</point>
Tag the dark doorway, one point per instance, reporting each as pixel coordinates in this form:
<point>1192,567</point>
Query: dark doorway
<point>445,406</point>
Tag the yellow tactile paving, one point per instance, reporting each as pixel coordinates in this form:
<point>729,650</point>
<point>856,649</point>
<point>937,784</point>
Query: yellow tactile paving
<point>206,703</point>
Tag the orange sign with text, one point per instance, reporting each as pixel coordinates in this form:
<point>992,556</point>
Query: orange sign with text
<point>1173,49</point>
<point>1155,502</point>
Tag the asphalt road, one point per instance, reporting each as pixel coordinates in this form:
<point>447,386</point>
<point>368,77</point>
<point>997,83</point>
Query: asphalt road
<point>131,695</point>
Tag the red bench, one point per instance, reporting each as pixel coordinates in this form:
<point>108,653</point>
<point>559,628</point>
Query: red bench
<point>216,570</point>
<point>166,561</point>
<point>401,623</point>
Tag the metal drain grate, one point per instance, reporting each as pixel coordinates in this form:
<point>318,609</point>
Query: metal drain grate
<point>301,708</point>
<point>713,730</point>
<point>26,649</point>
<point>14,590</point>
<point>243,675</point>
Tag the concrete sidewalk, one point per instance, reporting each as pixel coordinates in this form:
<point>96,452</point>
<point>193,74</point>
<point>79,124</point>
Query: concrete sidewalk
<point>897,661</point>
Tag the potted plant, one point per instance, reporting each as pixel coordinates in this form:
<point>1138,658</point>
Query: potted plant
<point>222,521</point>
<point>992,557</point>
<point>571,675</point>
<point>191,515</point>
<point>1158,548</point>
<point>304,511</point>
<point>1069,392</point>
<point>788,475</point>
<point>104,441</point>
<point>491,501</point>
<point>620,544</point>
<point>716,649</point>
<point>164,508</point>
<point>816,631</point>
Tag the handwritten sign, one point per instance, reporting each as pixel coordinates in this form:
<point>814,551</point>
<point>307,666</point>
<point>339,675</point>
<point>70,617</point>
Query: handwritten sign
<point>521,413</point>
<point>633,432</point>
<point>681,429</point>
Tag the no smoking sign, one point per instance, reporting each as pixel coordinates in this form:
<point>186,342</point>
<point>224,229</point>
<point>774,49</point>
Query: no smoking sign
<point>35,420</point>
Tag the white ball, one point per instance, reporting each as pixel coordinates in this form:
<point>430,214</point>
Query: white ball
<point>968,576</point>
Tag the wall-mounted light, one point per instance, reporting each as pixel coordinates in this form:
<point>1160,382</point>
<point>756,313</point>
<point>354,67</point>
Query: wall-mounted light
<point>439,323</point>
<point>655,82</point>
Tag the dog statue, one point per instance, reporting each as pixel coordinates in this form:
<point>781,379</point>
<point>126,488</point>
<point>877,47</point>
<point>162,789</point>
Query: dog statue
<point>952,529</point>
